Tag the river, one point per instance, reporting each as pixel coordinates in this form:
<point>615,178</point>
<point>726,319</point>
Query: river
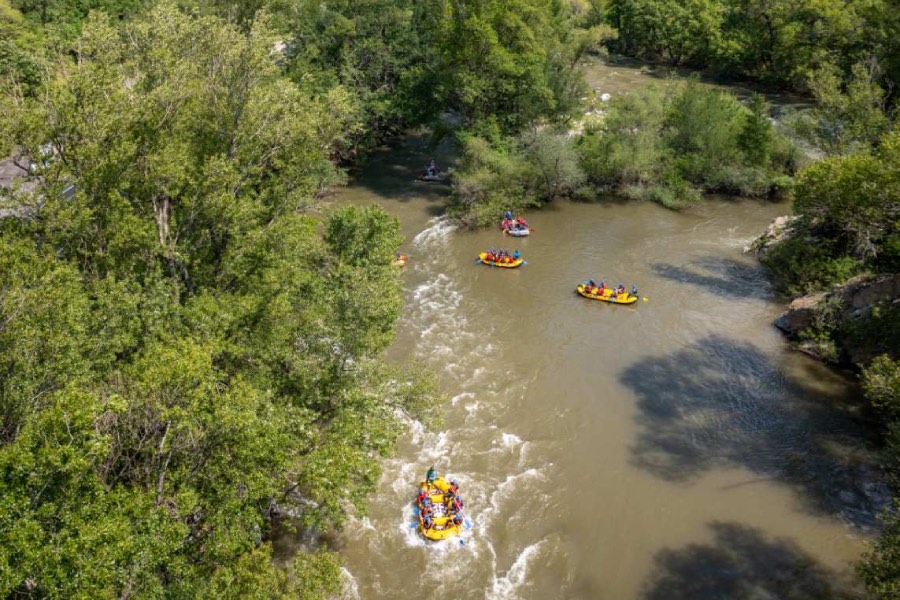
<point>672,449</point>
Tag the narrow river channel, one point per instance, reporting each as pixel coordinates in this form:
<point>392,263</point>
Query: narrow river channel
<point>673,449</point>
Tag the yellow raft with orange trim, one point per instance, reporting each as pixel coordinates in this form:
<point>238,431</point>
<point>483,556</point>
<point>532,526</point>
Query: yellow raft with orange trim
<point>607,296</point>
<point>445,521</point>
<point>512,264</point>
<point>400,261</point>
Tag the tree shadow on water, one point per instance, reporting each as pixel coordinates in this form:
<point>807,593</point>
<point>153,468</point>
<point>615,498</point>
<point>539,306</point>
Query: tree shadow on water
<point>720,403</point>
<point>742,564</point>
<point>721,276</point>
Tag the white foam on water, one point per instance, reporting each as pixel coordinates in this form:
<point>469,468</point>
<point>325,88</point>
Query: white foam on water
<point>502,492</point>
<point>446,339</point>
<point>437,232</point>
<point>463,396</point>
<point>478,373</point>
<point>365,524</point>
<point>434,312</point>
<point>523,453</point>
<point>510,440</point>
<point>351,588</point>
<point>505,587</point>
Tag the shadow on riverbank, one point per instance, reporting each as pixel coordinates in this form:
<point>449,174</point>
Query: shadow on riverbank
<point>720,403</point>
<point>741,563</point>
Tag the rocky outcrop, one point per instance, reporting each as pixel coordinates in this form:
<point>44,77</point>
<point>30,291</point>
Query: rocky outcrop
<point>777,230</point>
<point>838,310</point>
<point>800,315</point>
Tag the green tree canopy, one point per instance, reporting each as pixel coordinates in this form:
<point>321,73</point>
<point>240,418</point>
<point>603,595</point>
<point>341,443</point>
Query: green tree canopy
<point>184,346</point>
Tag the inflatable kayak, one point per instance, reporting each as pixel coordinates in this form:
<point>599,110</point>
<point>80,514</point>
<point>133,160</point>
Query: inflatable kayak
<point>439,514</point>
<point>607,296</point>
<point>400,261</point>
<point>517,231</point>
<point>430,178</point>
<point>506,265</point>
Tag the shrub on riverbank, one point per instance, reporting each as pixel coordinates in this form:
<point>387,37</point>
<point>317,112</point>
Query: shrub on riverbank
<point>848,210</point>
<point>670,142</point>
<point>880,569</point>
<point>500,173</point>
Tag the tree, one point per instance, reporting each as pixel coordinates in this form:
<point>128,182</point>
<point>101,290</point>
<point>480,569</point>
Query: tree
<point>854,199</point>
<point>371,48</point>
<point>848,117</point>
<point>668,30</point>
<point>513,61</point>
<point>755,138</point>
<point>186,351</point>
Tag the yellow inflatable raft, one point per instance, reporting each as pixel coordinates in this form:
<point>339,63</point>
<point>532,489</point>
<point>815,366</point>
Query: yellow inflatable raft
<point>607,296</point>
<point>506,265</point>
<point>400,261</point>
<point>445,519</point>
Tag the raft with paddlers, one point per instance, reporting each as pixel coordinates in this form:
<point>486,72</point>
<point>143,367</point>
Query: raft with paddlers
<point>505,260</point>
<point>431,173</point>
<point>606,294</point>
<point>514,226</point>
<point>439,507</point>
<point>400,260</point>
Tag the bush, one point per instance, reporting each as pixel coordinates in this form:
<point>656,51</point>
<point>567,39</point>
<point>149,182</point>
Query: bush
<point>675,195</point>
<point>880,569</point>
<point>881,382</point>
<point>664,142</point>
<point>491,179</point>
<point>889,259</point>
<point>497,174</point>
<point>878,330</point>
<point>803,264</point>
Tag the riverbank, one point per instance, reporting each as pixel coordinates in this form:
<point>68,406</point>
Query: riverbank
<point>667,140</point>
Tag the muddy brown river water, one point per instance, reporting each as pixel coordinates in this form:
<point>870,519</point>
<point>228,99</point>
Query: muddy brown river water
<point>673,449</point>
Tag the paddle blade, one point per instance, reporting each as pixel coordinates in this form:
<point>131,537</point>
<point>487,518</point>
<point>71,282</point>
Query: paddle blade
<point>646,298</point>
<point>468,523</point>
<point>413,525</point>
<point>524,262</point>
<point>416,511</point>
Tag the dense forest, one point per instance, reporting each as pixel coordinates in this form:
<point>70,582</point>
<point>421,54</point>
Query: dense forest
<point>182,359</point>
